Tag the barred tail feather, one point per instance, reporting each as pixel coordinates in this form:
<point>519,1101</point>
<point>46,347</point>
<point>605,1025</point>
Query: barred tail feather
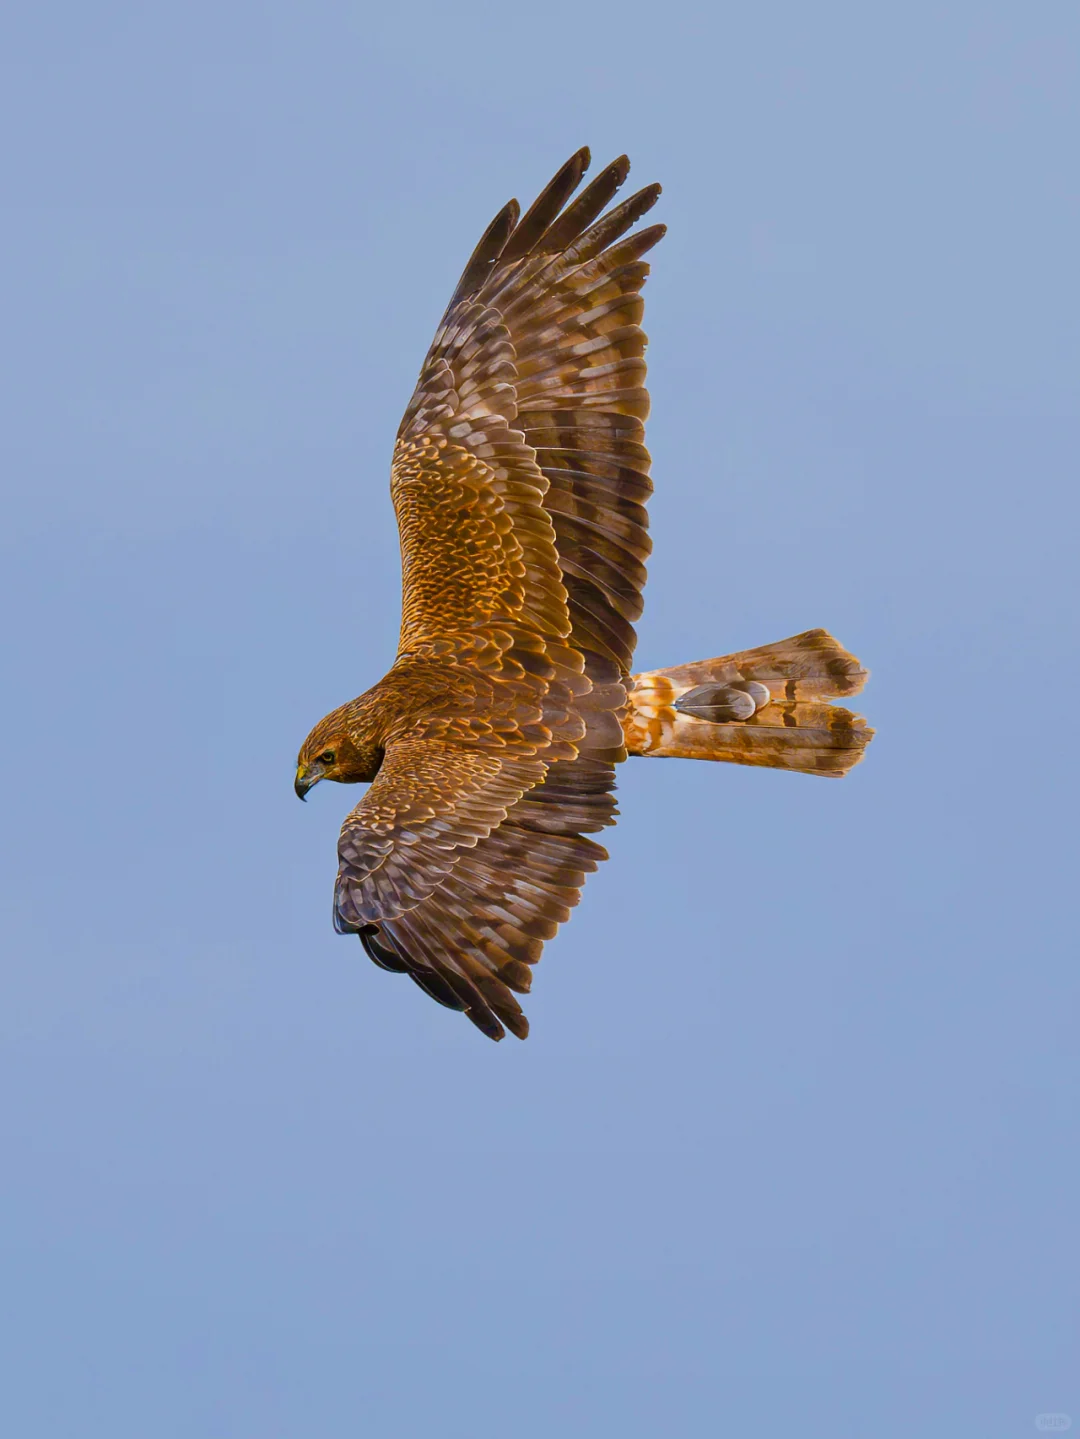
<point>690,711</point>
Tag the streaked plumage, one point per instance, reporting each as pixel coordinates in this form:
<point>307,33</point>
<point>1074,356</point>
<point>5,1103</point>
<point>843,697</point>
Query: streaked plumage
<point>519,479</point>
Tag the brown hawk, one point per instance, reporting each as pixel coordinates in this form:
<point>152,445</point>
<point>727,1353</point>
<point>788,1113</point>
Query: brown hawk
<point>519,479</point>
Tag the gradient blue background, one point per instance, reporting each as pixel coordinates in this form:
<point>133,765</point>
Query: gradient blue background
<point>792,1149</point>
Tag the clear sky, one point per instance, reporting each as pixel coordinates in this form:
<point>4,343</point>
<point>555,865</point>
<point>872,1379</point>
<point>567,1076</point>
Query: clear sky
<point>792,1148</point>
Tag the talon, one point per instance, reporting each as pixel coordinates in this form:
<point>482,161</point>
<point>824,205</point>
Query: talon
<point>759,693</point>
<point>720,704</point>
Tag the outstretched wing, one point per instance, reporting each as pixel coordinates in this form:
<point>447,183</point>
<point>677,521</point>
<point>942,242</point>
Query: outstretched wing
<point>519,480</point>
<point>520,473</point>
<point>456,866</point>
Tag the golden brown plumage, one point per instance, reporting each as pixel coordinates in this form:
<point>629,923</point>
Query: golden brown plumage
<point>519,480</point>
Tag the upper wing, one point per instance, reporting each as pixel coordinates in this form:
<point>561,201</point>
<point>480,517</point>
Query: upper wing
<point>520,473</point>
<point>456,866</point>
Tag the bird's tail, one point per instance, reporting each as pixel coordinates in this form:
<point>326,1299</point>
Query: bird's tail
<point>767,706</point>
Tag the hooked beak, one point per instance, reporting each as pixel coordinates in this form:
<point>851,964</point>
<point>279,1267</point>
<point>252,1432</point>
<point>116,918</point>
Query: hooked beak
<point>307,776</point>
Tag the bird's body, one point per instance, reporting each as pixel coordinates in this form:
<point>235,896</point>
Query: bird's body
<point>520,479</point>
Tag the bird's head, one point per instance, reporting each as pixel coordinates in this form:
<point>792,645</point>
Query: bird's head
<point>331,752</point>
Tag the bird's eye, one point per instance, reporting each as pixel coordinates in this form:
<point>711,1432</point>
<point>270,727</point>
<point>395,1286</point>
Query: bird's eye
<point>327,757</point>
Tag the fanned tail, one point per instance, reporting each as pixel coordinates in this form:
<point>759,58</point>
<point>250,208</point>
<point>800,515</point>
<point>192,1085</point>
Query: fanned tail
<point>767,706</point>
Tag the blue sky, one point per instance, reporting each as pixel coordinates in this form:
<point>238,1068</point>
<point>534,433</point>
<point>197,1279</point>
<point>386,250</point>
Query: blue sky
<point>792,1148</point>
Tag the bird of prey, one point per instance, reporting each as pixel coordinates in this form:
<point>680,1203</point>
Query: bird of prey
<point>520,479</point>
